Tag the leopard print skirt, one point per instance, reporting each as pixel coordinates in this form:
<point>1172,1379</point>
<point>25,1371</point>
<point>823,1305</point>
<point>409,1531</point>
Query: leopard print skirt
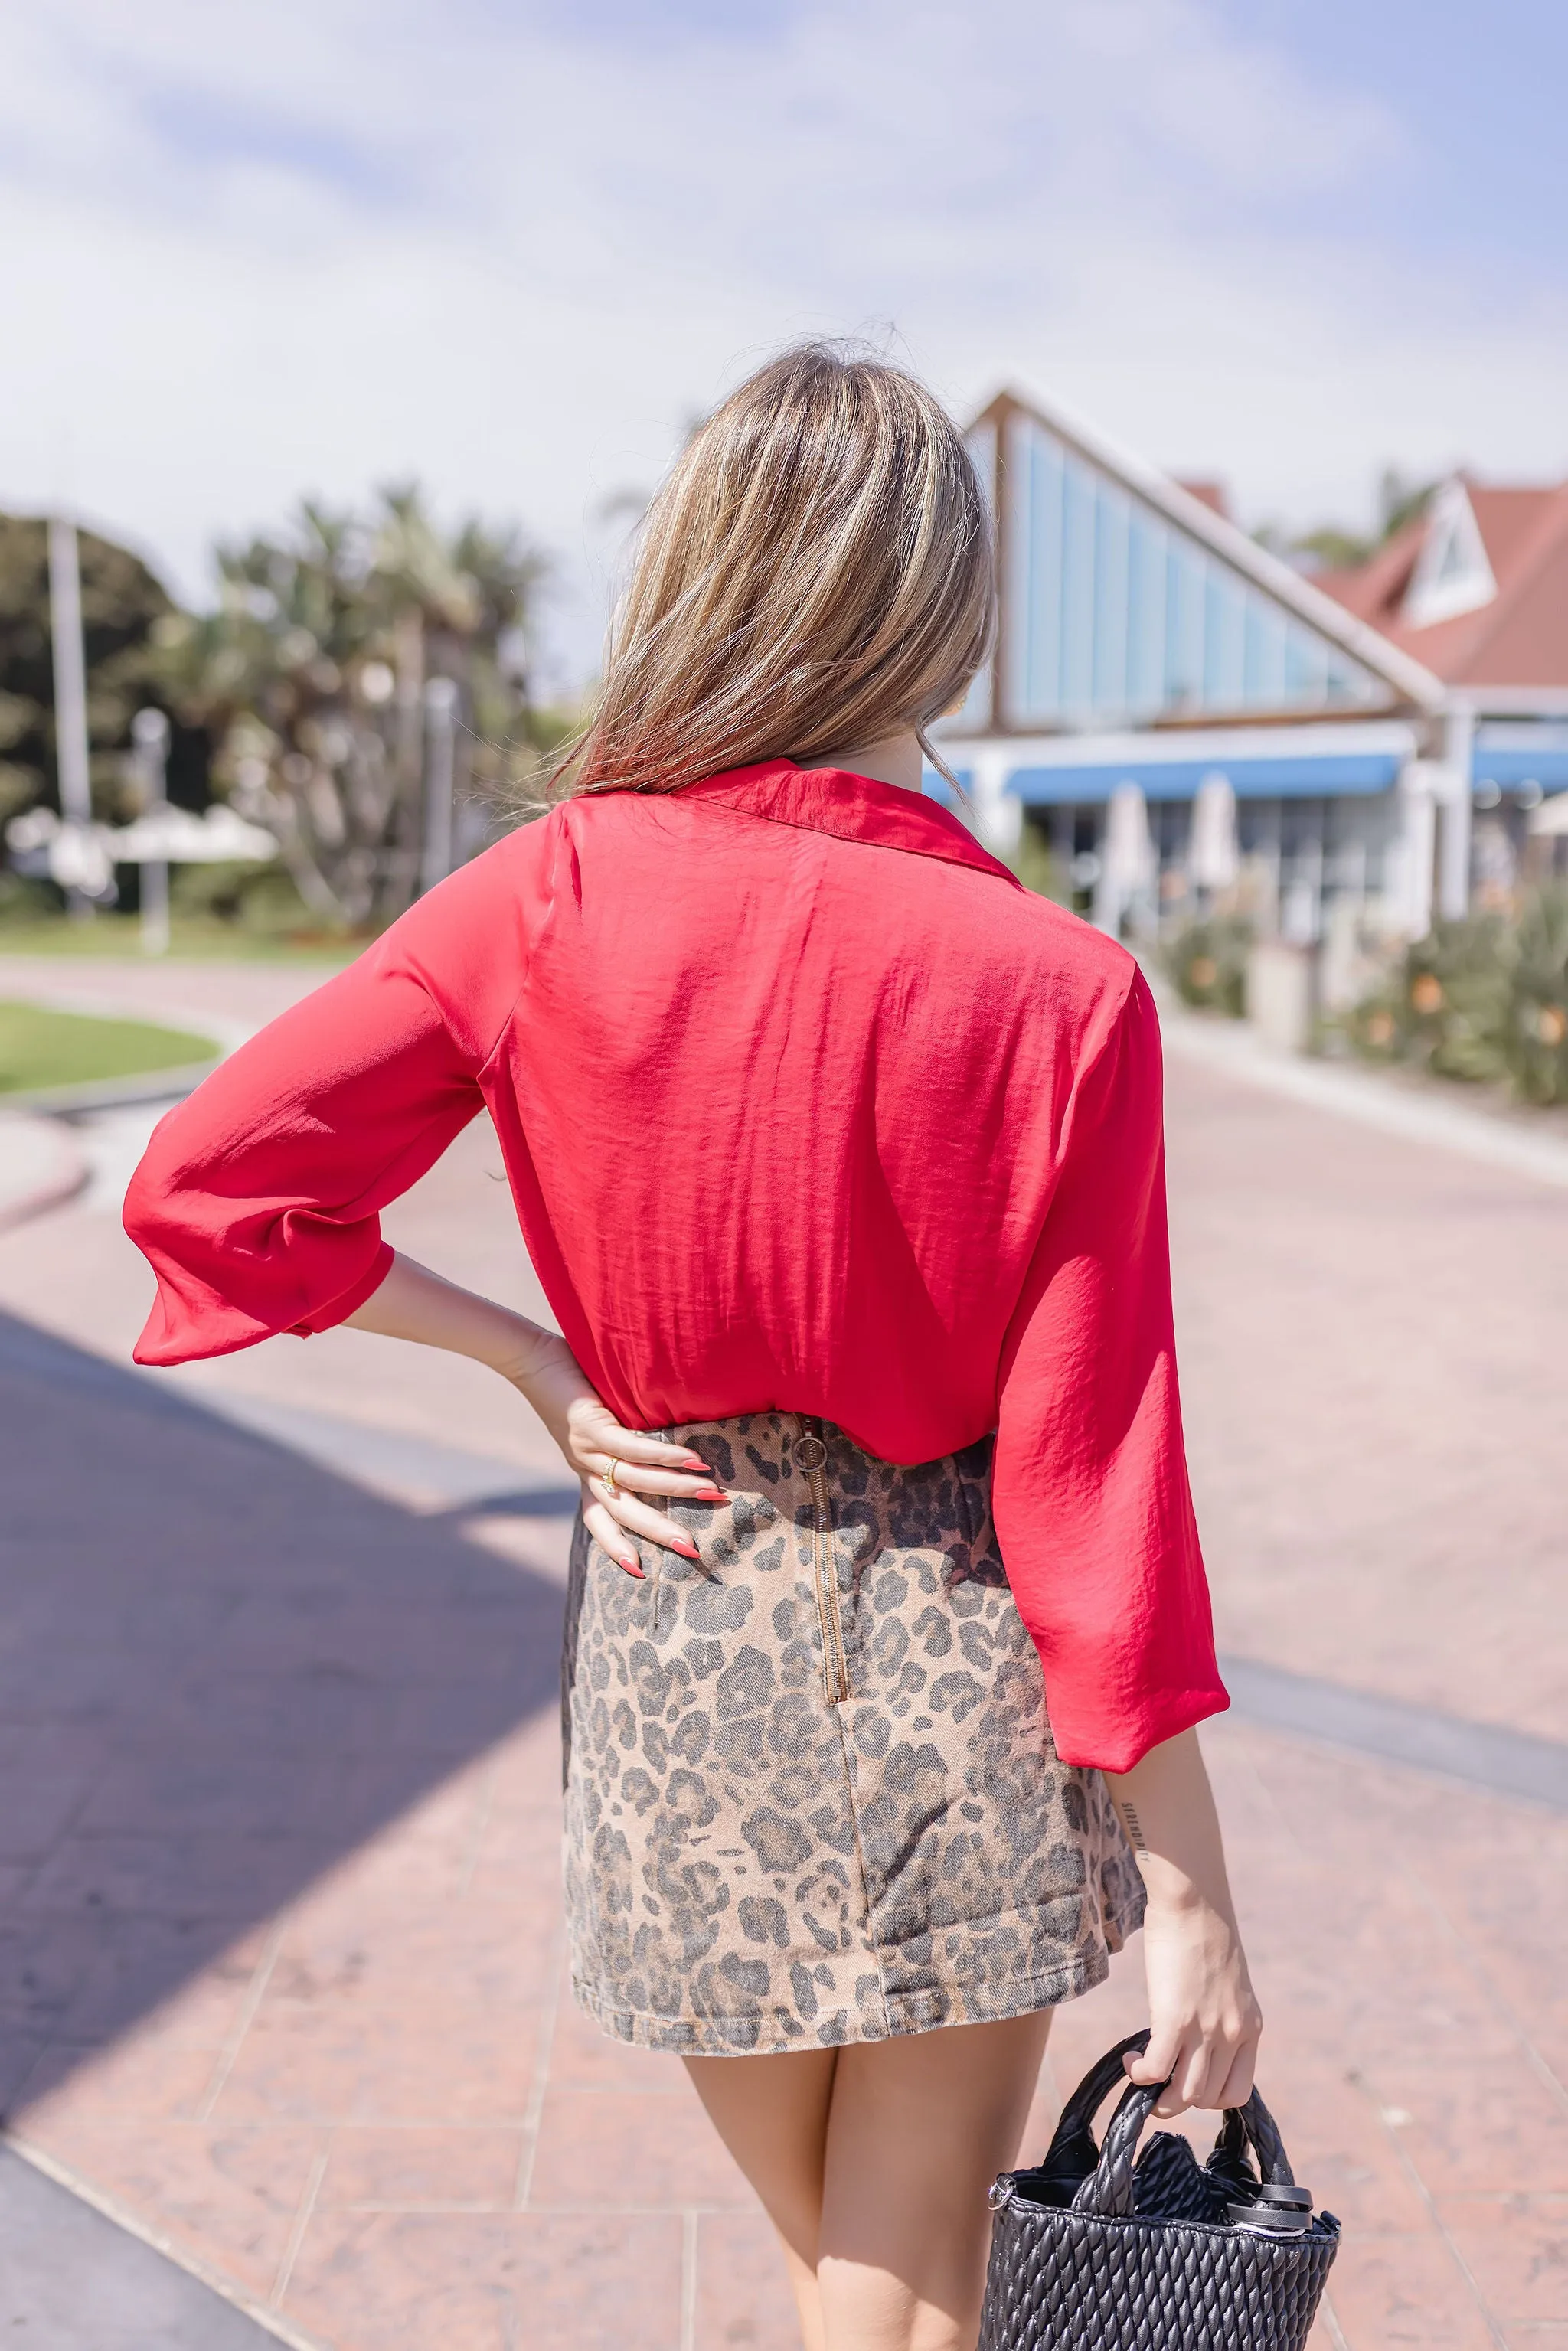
<point>811,1794</point>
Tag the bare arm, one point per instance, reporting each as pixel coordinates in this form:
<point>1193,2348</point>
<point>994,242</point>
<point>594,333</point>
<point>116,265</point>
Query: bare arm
<point>414,1303</point>
<point>1203,2014</point>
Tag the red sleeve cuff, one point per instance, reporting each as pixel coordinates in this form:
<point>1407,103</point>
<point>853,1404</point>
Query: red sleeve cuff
<point>348,1302</point>
<point>1116,1745</point>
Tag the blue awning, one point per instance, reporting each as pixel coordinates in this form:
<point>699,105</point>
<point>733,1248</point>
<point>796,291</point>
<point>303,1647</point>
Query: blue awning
<point>1547,766</point>
<point>1326,776</point>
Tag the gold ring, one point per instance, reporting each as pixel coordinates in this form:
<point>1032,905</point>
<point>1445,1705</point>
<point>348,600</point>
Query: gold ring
<point>610,1485</point>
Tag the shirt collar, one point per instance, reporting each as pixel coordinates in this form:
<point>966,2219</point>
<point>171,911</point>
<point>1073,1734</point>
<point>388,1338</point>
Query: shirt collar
<point>855,807</point>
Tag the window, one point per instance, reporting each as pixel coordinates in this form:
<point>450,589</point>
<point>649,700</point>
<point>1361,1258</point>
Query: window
<point>1114,614</point>
<point>1263,682</point>
<point>1224,635</point>
<point>1039,674</point>
<point>1452,574</point>
<point>1078,610</point>
<point>1113,517</point>
<point>1146,543</point>
<point>1306,667</point>
<point>976,710</point>
<point>1184,627</point>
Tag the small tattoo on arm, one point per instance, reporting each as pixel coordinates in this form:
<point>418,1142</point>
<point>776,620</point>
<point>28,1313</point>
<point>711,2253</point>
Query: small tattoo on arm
<point>1133,1824</point>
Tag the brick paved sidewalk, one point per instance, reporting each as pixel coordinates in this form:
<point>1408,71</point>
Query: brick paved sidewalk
<point>277,1839</point>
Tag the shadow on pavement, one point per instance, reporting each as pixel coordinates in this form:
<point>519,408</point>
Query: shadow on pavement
<point>73,2280</point>
<point>222,1669</point>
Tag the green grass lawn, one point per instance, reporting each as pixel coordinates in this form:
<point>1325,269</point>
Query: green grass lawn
<point>39,1048</point>
<point>199,938</point>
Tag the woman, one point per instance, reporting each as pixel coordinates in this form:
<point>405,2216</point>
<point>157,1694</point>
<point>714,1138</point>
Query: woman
<point>840,1158</point>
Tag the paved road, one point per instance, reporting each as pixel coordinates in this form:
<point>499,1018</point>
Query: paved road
<point>72,2279</point>
<point>278,1838</point>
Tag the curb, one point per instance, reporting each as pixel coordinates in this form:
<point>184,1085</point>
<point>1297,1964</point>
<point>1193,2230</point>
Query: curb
<point>1361,1096</point>
<point>170,1084</point>
<point>269,2320</point>
<point>1518,1764</point>
<point>40,1167</point>
<point>116,1094</point>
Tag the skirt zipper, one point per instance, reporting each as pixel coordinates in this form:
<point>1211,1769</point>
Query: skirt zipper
<point>830,1624</point>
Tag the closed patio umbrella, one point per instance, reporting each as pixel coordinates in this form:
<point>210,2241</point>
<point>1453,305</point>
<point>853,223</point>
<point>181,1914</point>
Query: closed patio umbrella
<point>1127,863</point>
<point>1214,858</point>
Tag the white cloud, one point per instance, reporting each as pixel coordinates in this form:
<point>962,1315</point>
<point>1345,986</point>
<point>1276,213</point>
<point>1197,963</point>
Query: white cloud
<point>253,250</point>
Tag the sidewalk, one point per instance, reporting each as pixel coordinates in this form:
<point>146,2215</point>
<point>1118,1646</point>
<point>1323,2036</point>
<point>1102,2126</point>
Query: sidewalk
<point>1421,1110</point>
<point>279,1838</point>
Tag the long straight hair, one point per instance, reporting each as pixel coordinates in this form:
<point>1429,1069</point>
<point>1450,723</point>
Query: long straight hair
<point>815,574</point>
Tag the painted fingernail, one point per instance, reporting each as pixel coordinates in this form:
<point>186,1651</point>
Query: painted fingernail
<point>689,1551</point>
<point>709,1494</point>
<point>632,1568</point>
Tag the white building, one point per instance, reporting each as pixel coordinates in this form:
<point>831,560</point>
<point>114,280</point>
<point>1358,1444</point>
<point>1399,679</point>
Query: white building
<point>1382,739</point>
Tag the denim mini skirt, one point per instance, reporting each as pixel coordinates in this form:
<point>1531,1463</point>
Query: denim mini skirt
<point>811,1793</point>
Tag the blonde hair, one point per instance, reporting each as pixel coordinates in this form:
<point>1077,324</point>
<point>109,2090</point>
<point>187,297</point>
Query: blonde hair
<point>816,573</point>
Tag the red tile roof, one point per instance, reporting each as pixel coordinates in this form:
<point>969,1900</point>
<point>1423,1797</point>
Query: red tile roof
<point>1213,495</point>
<point>1521,637</point>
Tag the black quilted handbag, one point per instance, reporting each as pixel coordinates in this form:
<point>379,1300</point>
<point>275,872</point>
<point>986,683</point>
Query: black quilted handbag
<point>1095,2251</point>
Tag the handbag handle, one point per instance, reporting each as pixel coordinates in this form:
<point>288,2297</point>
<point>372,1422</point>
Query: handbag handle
<point>1073,2152</point>
<point>1102,2178</point>
<point>1108,2190</point>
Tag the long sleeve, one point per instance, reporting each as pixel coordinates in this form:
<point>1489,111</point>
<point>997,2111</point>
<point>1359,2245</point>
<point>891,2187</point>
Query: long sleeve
<point>257,1203</point>
<point>1093,1511</point>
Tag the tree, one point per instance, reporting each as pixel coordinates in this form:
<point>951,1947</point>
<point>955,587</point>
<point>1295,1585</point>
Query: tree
<point>310,676</point>
<point>1336,547</point>
<point>124,610</point>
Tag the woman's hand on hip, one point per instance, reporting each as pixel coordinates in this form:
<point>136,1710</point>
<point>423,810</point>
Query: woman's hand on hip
<point>616,1466</point>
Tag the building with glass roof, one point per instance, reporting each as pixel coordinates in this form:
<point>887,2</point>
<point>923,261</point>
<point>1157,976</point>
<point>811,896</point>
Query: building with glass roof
<point>1174,708</point>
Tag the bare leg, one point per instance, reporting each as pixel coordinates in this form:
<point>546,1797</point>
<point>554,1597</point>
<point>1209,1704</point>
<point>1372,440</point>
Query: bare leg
<point>772,2115</point>
<point>873,2162</point>
<point>918,2130</point>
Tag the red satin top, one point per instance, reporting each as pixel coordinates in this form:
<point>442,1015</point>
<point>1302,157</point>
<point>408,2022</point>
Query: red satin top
<point>806,1104</point>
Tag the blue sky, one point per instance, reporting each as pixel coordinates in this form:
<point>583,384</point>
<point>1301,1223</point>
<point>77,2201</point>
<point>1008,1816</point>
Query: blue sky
<point>1478,93</point>
<point>295,245</point>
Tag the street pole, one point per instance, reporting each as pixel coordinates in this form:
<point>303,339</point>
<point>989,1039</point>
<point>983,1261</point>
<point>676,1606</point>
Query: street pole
<point>1454,839</point>
<point>70,690</point>
<point>150,732</point>
<point>440,753</point>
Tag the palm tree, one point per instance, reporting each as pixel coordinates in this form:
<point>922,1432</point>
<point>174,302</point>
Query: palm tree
<point>310,678</point>
<point>1334,547</point>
